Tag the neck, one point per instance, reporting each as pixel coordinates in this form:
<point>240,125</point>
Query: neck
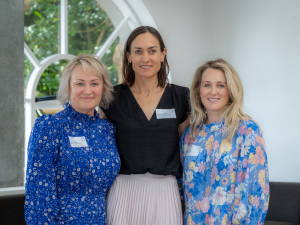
<point>213,117</point>
<point>145,86</point>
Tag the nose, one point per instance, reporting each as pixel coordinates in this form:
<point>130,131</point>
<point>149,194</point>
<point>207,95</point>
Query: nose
<point>213,90</point>
<point>87,89</point>
<point>145,57</point>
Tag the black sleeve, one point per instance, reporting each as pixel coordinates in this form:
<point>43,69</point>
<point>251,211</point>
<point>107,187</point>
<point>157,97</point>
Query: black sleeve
<point>186,106</point>
<point>112,105</point>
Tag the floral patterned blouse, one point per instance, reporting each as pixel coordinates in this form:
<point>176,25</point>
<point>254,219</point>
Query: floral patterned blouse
<point>225,182</point>
<point>72,162</point>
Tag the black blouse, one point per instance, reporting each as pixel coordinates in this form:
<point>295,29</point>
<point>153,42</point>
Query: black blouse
<point>149,145</point>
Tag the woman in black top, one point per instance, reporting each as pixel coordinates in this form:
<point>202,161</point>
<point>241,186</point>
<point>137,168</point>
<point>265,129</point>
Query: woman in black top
<point>149,115</point>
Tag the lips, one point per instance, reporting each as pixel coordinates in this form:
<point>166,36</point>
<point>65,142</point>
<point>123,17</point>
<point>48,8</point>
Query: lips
<point>87,98</point>
<point>213,99</point>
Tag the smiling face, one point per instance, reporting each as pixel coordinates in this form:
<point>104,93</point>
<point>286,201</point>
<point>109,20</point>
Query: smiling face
<point>214,93</point>
<point>145,55</point>
<point>85,91</point>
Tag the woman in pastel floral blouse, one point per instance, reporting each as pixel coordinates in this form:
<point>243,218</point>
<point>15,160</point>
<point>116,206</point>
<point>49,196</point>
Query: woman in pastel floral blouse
<point>72,155</point>
<point>225,178</point>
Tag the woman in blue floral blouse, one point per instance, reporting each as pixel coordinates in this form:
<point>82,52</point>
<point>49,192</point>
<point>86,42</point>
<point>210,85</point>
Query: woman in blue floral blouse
<point>72,155</point>
<point>225,178</point>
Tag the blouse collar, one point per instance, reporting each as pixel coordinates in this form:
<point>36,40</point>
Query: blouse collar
<point>73,114</point>
<point>212,127</point>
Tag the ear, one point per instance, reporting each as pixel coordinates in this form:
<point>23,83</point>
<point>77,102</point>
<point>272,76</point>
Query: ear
<point>128,57</point>
<point>163,54</point>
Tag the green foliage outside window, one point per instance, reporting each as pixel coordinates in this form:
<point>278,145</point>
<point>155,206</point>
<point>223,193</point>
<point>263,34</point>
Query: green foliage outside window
<point>88,29</point>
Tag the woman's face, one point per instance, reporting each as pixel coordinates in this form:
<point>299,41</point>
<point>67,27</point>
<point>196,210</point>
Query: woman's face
<point>214,93</point>
<point>85,91</point>
<point>145,55</point>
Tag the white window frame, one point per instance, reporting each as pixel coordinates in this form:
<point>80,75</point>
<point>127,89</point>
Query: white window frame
<point>130,14</point>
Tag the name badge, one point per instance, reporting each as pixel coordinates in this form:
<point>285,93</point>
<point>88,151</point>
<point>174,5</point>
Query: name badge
<point>194,150</point>
<point>165,113</point>
<point>78,142</point>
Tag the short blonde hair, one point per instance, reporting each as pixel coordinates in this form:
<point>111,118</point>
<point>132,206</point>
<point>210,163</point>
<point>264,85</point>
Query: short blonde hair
<point>233,112</point>
<point>92,65</point>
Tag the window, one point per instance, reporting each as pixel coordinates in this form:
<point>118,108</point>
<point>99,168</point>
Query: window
<point>56,31</point>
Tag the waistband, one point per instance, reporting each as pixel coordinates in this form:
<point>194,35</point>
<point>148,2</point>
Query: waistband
<point>147,176</point>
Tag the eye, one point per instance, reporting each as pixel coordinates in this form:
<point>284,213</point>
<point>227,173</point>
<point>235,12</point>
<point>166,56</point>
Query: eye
<point>152,51</point>
<point>206,85</point>
<point>138,52</point>
<point>221,85</point>
<point>95,84</point>
<point>79,84</point>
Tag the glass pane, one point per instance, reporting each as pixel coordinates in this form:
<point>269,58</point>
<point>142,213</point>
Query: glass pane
<point>89,26</point>
<point>113,60</point>
<point>49,81</point>
<point>41,28</point>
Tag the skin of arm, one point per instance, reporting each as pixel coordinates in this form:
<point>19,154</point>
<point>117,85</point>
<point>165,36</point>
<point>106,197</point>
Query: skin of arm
<point>184,125</point>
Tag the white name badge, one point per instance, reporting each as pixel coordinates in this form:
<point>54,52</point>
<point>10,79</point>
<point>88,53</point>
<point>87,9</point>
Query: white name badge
<point>194,150</point>
<point>165,113</point>
<point>78,142</point>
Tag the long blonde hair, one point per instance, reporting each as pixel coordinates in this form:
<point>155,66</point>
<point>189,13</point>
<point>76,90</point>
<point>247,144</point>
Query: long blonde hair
<point>233,112</point>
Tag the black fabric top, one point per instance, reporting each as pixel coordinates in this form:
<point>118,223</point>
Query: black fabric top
<point>149,146</point>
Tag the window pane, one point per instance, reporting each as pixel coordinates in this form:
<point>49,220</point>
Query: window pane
<point>49,81</point>
<point>113,60</point>
<point>89,26</point>
<point>41,28</point>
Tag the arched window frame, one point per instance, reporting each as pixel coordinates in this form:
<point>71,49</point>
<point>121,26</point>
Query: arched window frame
<point>126,15</point>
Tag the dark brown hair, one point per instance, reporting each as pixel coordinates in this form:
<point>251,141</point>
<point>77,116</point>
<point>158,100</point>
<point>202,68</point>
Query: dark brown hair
<point>127,71</point>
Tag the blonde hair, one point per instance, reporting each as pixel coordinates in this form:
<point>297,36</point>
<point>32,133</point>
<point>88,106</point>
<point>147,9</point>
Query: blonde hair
<point>89,64</point>
<point>233,112</point>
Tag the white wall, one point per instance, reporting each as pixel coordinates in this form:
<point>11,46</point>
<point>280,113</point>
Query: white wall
<point>261,39</point>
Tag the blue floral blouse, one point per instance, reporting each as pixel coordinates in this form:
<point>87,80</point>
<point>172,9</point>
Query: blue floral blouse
<point>225,182</point>
<point>72,162</point>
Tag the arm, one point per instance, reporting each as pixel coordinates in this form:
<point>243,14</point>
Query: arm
<point>113,155</point>
<point>40,188</point>
<point>187,109</point>
<point>184,125</point>
<point>181,147</point>
<point>252,180</point>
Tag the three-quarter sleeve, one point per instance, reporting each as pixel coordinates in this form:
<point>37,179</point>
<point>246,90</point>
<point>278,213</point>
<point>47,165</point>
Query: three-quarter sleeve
<point>251,194</point>
<point>40,188</point>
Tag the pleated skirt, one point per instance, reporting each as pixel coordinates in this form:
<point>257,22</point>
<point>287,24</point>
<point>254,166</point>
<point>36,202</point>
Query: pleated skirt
<point>144,199</point>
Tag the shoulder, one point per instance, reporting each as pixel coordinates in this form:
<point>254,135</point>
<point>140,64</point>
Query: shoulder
<point>43,129</point>
<point>44,121</point>
<point>119,88</point>
<point>109,126</point>
<point>248,127</point>
<point>186,131</point>
<point>50,122</point>
<point>179,89</point>
<point>119,92</point>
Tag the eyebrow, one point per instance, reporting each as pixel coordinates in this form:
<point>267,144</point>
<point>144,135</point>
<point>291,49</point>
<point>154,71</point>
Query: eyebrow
<point>216,82</point>
<point>84,80</point>
<point>148,48</point>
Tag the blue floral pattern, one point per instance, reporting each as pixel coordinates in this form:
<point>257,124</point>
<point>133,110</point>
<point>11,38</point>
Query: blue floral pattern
<point>65,184</point>
<point>225,182</point>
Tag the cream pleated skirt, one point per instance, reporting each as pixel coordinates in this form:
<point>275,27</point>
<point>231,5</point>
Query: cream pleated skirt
<point>144,199</point>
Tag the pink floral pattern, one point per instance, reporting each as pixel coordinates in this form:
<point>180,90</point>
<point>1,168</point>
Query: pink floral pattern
<point>226,182</point>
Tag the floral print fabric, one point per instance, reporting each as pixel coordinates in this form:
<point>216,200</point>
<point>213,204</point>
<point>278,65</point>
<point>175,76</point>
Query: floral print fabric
<point>225,182</point>
<point>65,184</point>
